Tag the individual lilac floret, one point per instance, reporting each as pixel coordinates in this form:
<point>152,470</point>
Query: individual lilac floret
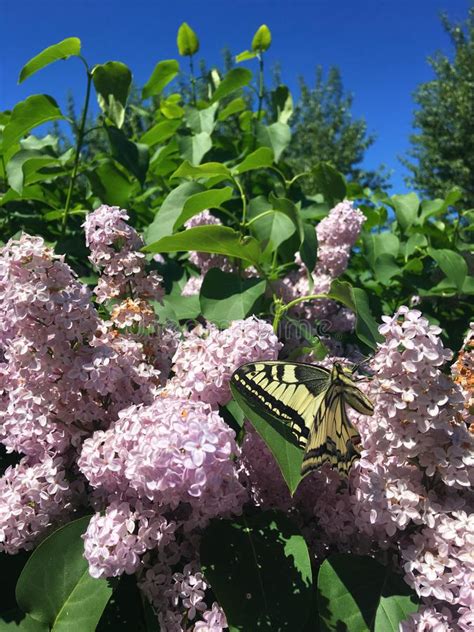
<point>33,500</point>
<point>205,360</point>
<point>115,251</point>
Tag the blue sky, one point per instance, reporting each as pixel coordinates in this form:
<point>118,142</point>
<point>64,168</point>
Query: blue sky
<point>380,46</point>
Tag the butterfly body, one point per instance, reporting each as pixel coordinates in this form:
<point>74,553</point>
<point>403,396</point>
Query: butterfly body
<point>312,400</point>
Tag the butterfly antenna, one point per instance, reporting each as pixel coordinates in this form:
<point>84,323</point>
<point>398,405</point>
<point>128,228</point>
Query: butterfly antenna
<point>359,364</point>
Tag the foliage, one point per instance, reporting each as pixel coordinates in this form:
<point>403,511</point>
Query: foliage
<point>324,130</point>
<point>116,360</point>
<point>442,153</point>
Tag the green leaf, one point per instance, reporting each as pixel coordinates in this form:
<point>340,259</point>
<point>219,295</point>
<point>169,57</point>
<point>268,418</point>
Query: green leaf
<point>280,440</point>
<point>234,80</point>
<point>245,56</point>
<point>260,571</point>
<point>164,72</point>
<point>438,206</point>
<point>206,170</point>
<point>188,43</point>
<point>160,132</point>
<point>225,296</point>
<point>217,239</point>
<point>202,120</point>
<point>284,205</point>
<point>468,285</point>
<point>282,103</point>
<point>193,148</point>
<point>329,182</point>
<point>128,610</point>
<point>55,586</point>
<point>71,46</point>
<point>262,39</point>
<point>212,198</point>
<point>258,159</point>
<point>112,82</point>
<point>171,110</point>
<point>357,594</point>
<point>386,268</point>
<point>176,308</point>
<point>17,621</point>
<point>406,209</point>
<point>277,136</point>
<point>309,246</point>
<point>25,163</point>
<point>134,157</point>
<point>272,230</point>
<point>233,415</point>
<point>170,211</point>
<point>234,107</point>
<point>452,264</point>
<point>27,114</point>
<point>378,244</point>
<point>110,184</point>
<point>417,241</point>
<point>356,300</point>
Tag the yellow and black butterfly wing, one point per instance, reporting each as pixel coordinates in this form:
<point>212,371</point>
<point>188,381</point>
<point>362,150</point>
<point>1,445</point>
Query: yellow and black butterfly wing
<point>332,439</point>
<point>287,391</point>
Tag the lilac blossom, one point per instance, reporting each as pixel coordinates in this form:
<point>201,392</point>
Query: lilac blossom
<point>115,251</point>
<point>206,358</point>
<point>34,499</point>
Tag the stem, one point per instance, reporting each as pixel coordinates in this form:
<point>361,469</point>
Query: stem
<point>193,79</point>
<point>254,219</point>
<point>260,97</point>
<point>228,213</point>
<point>260,86</point>
<point>244,201</point>
<point>297,177</point>
<point>80,139</point>
<point>281,309</point>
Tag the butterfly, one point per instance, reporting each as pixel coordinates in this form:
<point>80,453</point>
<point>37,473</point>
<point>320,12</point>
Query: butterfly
<point>312,400</point>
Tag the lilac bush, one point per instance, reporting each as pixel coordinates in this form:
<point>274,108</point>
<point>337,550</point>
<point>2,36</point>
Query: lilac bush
<point>119,415</point>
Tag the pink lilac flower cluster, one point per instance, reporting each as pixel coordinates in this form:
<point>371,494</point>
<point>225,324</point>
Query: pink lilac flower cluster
<point>206,358</point>
<point>115,250</point>
<point>411,492</point>
<point>337,234</point>
<point>172,593</point>
<point>34,497</point>
<point>64,373</point>
<point>163,470</point>
<point>415,475</point>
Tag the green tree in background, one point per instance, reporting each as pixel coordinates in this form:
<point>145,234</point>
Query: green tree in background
<point>323,129</point>
<point>443,149</point>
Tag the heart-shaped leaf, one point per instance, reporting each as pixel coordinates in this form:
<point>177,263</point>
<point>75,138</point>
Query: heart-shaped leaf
<point>260,571</point>
<point>55,586</point>
<point>357,594</point>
